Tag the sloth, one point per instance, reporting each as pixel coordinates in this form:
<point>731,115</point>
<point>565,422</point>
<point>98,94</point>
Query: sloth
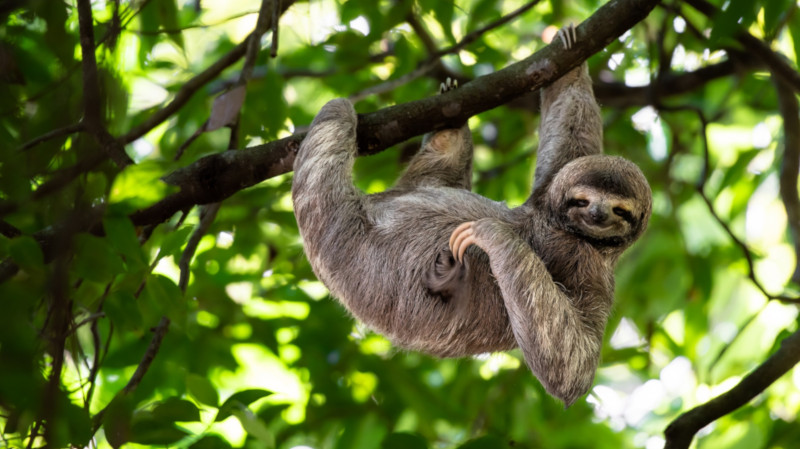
<point>439,269</point>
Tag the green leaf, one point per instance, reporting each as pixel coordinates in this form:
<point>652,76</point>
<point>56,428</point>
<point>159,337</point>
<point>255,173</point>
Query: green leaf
<point>774,12</point>
<point>122,236</point>
<point>174,241</point>
<point>238,400</point>
<point>738,169</point>
<point>95,260</point>
<point>794,31</point>
<point>162,297</point>
<point>122,309</point>
<point>403,440</point>
<point>254,426</point>
<point>79,424</point>
<point>140,184</point>
<point>211,442</point>
<point>736,17</point>
<point>148,430</point>
<point>26,253</point>
<point>117,420</point>
<point>175,409</point>
<point>202,389</point>
<point>95,187</point>
<point>487,442</point>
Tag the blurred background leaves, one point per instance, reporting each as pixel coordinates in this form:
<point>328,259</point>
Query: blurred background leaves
<point>255,354</point>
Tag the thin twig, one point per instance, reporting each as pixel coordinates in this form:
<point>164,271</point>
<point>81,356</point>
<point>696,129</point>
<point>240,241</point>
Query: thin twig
<point>54,134</point>
<point>434,60</point>
<point>155,344</point>
<point>195,26</point>
<point>276,6</point>
<point>59,318</point>
<point>476,34</point>
<point>700,187</point>
<point>89,319</point>
<point>95,368</point>
<point>207,215</point>
<point>150,354</point>
<point>739,332</point>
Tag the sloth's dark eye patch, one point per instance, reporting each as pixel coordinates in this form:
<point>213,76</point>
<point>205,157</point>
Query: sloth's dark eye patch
<point>624,214</point>
<point>576,202</point>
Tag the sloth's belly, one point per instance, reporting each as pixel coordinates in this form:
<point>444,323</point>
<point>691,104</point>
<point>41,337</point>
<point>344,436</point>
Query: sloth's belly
<point>385,288</point>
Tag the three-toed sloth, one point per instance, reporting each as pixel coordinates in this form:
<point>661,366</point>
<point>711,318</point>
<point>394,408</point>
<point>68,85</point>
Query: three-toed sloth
<point>439,269</point>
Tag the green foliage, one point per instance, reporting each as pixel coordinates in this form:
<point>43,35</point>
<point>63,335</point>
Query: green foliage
<point>256,354</point>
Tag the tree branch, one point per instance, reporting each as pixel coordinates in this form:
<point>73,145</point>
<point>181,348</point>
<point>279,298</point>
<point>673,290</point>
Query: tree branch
<point>777,63</point>
<point>92,116</point>
<point>619,95</point>
<point>218,176</point>
<point>790,165</point>
<point>681,431</point>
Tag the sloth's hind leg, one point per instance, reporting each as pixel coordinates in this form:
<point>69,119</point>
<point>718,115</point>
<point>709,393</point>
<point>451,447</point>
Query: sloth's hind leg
<point>444,159</point>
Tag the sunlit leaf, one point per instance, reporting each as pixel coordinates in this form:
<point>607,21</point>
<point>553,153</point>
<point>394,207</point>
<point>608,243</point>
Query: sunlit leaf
<point>211,442</point>
<point>117,420</point>
<point>238,400</point>
<point>175,409</point>
<point>403,441</point>
<point>254,426</point>
<point>487,442</point>
<point>202,389</point>
<point>140,184</point>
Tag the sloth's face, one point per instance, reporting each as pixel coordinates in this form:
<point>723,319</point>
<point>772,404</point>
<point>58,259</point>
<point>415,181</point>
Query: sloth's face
<point>599,215</point>
<point>602,199</point>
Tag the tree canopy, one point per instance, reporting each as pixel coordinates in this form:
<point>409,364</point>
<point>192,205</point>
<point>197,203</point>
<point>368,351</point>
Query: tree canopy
<point>153,285</point>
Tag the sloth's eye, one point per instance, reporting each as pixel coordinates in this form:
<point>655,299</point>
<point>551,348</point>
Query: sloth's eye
<point>577,202</point>
<point>622,212</point>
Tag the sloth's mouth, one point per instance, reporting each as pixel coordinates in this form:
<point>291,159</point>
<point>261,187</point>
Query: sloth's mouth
<point>603,238</point>
<point>607,229</point>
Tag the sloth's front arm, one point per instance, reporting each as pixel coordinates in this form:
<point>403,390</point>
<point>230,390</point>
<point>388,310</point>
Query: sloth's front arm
<point>559,348</point>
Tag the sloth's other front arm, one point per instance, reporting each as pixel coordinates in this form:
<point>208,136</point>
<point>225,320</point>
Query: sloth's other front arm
<point>558,346</point>
<point>571,125</point>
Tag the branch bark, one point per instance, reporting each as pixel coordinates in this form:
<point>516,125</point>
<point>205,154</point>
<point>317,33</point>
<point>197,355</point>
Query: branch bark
<point>681,431</point>
<point>790,165</point>
<point>92,101</point>
<point>218,176</point>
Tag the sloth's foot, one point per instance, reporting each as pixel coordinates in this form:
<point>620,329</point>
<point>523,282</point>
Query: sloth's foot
<point>448,85</point>
<point>567,36</point>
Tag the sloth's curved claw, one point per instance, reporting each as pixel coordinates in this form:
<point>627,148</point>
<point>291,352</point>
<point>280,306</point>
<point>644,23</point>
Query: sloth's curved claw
<point>567,36</point>
<point>448,85</point>
<point>461,239</point>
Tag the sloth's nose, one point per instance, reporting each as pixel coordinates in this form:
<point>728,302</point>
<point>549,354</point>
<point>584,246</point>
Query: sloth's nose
<point>599,213</point>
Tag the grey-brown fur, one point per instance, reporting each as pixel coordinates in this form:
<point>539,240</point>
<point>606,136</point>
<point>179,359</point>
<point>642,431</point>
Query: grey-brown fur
<point>534,278</point>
